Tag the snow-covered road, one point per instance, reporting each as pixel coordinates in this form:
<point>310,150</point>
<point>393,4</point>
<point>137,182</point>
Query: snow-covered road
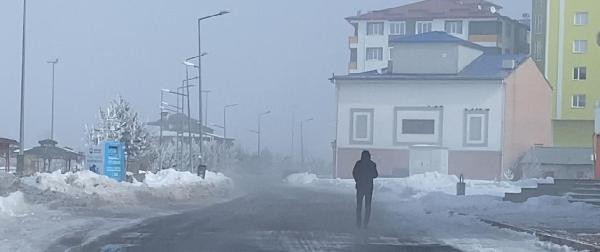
<point>310,214</point>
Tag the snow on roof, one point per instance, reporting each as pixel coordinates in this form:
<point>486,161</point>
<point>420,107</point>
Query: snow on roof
<point>430,9</point>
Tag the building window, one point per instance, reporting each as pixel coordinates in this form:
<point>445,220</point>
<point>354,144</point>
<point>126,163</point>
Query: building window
<point>579,46</point>
<point>581,18</point>
<point>454,27</point>
<point>580,73</point>
<point>538,50</point>
<point>418,125</point>
<point>578,101</point>
<point>538,24</point>
<point>475,130</point>
<point>375,28</point>
<point>353,55</point>
<point>398,28</point>
<point>423,27</point>
<point>361,126</point>
<point>355,26</point>
<point>375,53</point>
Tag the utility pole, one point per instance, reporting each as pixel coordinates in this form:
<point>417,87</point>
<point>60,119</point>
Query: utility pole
<point>225,118</point>
<point>200,132</point>
<point>52,120</point>
<point>302,139</point>
<point>21,156</point>
<point>259,130</point>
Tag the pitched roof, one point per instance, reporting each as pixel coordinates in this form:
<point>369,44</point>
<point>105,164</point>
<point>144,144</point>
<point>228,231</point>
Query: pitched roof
<point>434,37</point>
<point>430,9</point>
<point>179,121</point>
<point>486,67</point>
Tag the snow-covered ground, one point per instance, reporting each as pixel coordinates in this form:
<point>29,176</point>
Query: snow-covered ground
<point>425,207</point>
<point>39,210</point>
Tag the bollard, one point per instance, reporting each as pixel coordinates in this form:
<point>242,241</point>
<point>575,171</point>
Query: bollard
<point>460,186</point>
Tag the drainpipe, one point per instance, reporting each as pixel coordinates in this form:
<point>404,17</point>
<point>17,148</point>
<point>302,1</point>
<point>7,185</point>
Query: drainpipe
<point>596,141</point>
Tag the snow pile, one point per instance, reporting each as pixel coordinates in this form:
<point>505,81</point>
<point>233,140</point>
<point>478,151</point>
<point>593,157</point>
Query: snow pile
<point>419,185</point>
<point>89,189</point>
<point>14,205</point>
<point>301,178</point>
<point>177,185</point>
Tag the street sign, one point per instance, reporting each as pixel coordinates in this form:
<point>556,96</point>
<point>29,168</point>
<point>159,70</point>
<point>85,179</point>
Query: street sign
<point>108,158</point>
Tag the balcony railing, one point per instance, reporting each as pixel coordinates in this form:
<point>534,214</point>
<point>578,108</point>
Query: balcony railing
<point>484,38</point>
<point>353,40</point>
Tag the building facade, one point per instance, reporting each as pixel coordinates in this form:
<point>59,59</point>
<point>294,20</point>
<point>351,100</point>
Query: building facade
<point>475,20</point>
<point>484,109</point>
<point>566,47</point>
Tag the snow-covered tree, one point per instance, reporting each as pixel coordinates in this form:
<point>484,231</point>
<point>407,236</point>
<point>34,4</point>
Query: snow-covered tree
<point>119,122</point>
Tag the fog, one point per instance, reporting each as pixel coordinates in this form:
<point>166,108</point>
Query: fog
<point>265,55</point>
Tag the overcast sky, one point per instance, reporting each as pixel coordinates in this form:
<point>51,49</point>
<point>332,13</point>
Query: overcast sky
<point>266,55</point>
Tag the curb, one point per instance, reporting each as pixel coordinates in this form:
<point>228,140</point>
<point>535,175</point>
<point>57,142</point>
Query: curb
<point>544,236</point>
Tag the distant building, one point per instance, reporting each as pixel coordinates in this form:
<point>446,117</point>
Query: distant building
<point>6,147</point>
<point>174,125</point>
<point>558,162</point>
<point>48,157</point>
<point>566,47</point>
<point>484,109</point>
<point>478,21</point>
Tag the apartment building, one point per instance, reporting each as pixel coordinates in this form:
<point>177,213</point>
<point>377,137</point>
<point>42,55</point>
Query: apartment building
<point>566,48</point>
<point>477,21</point>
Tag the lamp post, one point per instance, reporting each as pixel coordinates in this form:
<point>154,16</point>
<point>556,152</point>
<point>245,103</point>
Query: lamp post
<point>53,62</point>
<point>206,92</point>
<point>177,107</point>
<point>302,139</point>
<point>225,118</point>
<point>187,87</point>
<point>200,78</point>
<point>259,131</point>
<point>21,156</point>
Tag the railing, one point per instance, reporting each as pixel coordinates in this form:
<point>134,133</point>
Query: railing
<point>353,40</point>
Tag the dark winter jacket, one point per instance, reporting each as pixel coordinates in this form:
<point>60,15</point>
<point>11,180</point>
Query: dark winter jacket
<point>364,172</point>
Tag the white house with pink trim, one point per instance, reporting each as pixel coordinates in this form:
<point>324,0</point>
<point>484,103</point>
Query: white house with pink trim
<point>477,111</point>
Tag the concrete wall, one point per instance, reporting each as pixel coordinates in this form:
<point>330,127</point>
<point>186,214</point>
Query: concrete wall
<point>455,96</point>
<point>395,163</point>
<point>425,58</point>
<point>559,171</point>
<point>528,112</point>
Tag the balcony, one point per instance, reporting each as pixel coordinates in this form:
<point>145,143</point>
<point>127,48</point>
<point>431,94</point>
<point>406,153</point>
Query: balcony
<point>353,41</point>
<point>484,38</point>
<point>352,66</point>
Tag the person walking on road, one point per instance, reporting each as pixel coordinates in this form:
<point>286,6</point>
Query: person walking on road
<point>364,172</point>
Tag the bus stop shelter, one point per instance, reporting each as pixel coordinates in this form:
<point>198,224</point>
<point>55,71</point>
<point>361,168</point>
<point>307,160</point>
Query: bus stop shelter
<point>41,157</point>
<point>6,147</point>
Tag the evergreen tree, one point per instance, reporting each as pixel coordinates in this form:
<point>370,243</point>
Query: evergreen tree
<point>118,122</point>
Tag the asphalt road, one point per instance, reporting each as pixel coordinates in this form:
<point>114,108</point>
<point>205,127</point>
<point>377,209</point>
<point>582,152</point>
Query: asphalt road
<point>274,218</point>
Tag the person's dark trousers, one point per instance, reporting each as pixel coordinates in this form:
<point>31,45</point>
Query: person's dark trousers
<point>367,195</point>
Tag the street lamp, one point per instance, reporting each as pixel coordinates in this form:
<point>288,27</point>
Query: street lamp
<point>206,92</point>
<point>54,62</point>
<point>223,12</point>
<point>178,109</point>
<point>259,131</point>
<point>302,139</point>
<point>187,87</point>
<point>21,156</point>
<point>225,118</point>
